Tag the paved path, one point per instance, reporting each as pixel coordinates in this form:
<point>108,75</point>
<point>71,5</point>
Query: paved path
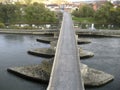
<point>66,73</point>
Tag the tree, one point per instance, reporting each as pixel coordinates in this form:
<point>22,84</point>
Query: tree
<point>84,11</point>
<point>108,14</point>
<point>20,11</point>
<point>8,13</point>
<point>30,14</point>
<point>118,15</point>
<point>37,13</point>
<point>114,17</point>
<point>103,13</point>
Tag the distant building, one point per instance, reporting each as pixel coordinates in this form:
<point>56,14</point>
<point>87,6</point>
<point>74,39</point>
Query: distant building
<point>95,7</point>
<point>116,2</point>
<point>97,4</point>
<point>23,1</point>
<point>53,7</point>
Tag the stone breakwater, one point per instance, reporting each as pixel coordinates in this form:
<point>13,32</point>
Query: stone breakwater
<point>53,43</point>
<point>43,52</point>
<point>47,39</point>
<point>55,32</point>
<point>50,52</point>
<point>41,73</point>
<point>50,39</point>
<point>103,33</point>
<point>50,32</point>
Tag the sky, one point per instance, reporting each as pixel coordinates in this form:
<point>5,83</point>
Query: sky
<point>79,0</point>
<point>82,0</point>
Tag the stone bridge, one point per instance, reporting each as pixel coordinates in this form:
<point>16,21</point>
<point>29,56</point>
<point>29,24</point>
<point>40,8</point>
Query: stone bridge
<point>66,73</point>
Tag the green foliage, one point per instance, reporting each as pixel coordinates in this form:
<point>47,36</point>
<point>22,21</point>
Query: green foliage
<point>103,13</point>
<point>106,14</point>
<point>84,11</point>
<point>13,27</point>
<point>19,13</point>
<point>11,14</point>
<point>114,17</point>
<point>37,13</point>
<point>7,13</point>
<point>2,25</point>
<point>84,20</point>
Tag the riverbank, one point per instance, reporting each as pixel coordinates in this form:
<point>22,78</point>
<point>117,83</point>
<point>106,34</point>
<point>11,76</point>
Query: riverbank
<point>102,33</point>
<point>52,32</point>
<point>29,31</point>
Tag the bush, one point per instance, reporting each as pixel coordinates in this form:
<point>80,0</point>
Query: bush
<point>84,11</point>
<point>13,27</point>
<point>2,25</point>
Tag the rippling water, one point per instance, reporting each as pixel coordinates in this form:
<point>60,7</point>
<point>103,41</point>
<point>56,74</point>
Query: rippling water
<point>107,59</point>
<point>13,52</point>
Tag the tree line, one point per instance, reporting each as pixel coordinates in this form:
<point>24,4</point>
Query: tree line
<point>105,14</point>
<point>35,13</point>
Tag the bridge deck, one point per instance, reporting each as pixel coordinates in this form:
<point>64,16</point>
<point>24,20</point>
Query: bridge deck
<point>66,73</point>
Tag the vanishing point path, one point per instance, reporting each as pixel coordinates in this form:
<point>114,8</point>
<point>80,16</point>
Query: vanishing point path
<point>66,74</point>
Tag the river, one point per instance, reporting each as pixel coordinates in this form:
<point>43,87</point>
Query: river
<point>107,59</point>
<point>13,52</point>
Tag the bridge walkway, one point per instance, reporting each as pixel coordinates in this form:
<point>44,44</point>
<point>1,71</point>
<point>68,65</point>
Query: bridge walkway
<point>66,73</point>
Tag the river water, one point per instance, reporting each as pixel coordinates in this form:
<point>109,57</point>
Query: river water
<point>107,59</point>
<point>13,52</point>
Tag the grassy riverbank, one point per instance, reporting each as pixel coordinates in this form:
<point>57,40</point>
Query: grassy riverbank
<point>84,20</point>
